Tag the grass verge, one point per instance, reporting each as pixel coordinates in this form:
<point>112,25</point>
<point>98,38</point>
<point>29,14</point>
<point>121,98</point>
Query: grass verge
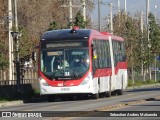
<point>141,82</point>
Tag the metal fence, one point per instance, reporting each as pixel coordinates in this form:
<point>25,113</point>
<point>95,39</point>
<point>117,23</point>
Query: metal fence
<point>8,88</point>
<point>28,84</point>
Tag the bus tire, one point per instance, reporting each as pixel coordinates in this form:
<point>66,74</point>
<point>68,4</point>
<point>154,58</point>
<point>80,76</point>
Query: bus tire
<point>108,94</point>
<point>50,98</point>
<point>120,92</point>
<point>95,96</point>
<point>113,93</point>
<point>63,98</point>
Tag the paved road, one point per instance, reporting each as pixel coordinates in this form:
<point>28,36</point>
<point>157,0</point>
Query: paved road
<point>132,100</point>
<point>149,110</point>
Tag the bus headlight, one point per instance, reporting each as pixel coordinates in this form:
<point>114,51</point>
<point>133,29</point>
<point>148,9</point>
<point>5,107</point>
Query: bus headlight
<point>43,81</point>
<point>87,79</point>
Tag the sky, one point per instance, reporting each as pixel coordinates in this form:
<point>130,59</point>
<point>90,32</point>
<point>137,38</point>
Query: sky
<point>133,6</point>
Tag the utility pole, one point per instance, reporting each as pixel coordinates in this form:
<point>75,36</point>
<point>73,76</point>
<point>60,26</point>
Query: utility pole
<point>15,15</point>
<point>84,9</point>
<point>119,13</point>
<point>70,12</point>
<point>147,11</point>
<point>16,27</point>
<point>148,32</point>
<point>99,16</point>
<point>155,13</point>
<point>119,7</point>
<point>142,50</point>
<point>15,36</point>
<point>11,65</point>
<point>111,19</point>
<point>125,8</point>
<point>142,22</point>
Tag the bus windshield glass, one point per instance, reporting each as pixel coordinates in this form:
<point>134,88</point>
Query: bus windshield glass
<point>64,64</point>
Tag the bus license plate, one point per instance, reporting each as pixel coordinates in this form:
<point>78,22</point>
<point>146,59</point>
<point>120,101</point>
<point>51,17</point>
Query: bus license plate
<point>65,89</point>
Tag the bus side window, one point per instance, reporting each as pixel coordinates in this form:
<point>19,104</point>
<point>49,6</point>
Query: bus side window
<point>94,56</point>
<point>123,52</point>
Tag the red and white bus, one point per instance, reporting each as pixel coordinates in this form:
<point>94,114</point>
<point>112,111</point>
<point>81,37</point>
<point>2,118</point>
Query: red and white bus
<point>81,62</point>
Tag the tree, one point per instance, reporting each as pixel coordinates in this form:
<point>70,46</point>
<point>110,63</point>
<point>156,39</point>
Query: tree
<point>3,62</point>
<point>53,26</point>
<point>154,35</point>
<point>79,21</point>
<point>135,41</point>
<point>34,17</point>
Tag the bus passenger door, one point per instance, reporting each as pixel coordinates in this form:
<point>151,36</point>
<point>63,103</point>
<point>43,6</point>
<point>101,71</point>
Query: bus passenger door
<point>94,68</point>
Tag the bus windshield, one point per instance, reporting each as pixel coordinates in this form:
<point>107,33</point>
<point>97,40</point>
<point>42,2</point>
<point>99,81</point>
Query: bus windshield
<point>64,64</point>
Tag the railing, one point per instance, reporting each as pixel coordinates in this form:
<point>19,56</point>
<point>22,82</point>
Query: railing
<point>8,88</point>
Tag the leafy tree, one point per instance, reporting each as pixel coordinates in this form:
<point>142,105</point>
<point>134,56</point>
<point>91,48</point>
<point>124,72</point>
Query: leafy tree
<point>3,62</point>
<point>129,29</point>
<point>25,43</point>
<point>79,21</point>
<point>53,26</point>
<point>154,34</point>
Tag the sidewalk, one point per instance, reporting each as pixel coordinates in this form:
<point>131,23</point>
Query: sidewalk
<point>18,102</point>
<point>10,103</point>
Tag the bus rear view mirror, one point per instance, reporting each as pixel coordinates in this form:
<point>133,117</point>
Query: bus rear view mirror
<point>33,56</point>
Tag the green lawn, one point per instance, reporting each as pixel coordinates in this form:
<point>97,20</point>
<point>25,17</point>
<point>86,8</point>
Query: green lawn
<point>141,82</point>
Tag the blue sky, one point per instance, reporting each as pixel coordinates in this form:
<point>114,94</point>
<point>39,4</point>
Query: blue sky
<point>133,6</point>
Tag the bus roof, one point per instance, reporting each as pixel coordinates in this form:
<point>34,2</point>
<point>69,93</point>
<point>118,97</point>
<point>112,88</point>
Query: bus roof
<point>113,37</point>
<point>66,34</point>
<point>78,34</point>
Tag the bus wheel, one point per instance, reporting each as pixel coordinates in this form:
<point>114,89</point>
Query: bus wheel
<point>95,96</point>
<point>51,98</point>
<point>113,93</point>
<point>71,97</point>
<point>63,98</point>
<point>108,94</point>
<point>102,95</point>
<point>120,92</point>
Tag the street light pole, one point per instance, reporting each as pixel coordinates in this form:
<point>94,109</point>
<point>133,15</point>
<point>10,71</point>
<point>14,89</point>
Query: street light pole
<point>17,62</point>
<point>111,19</point>
<point>11,65</point>
<point>155,13</point>
<point>84,9</point>
<point>148,32</point>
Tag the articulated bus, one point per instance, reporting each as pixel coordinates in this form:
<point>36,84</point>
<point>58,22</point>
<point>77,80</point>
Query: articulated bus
<point>81,62</point>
